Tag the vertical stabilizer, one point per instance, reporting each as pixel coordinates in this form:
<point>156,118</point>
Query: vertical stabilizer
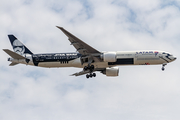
<point>18,47</point>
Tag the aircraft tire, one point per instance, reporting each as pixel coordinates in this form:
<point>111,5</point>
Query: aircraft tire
<point>85,68</point>
<point>163,69</point>
<point>92,67</point>
<point>94,74</point>
<point>90,75</point>
<point>87,76</point>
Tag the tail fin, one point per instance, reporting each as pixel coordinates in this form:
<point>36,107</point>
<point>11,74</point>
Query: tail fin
<point>18,47</point>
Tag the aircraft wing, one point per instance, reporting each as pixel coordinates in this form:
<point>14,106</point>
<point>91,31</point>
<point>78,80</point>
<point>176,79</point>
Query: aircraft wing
<point>80,73</point>
<point>87,71</point>
<point>80,46</point>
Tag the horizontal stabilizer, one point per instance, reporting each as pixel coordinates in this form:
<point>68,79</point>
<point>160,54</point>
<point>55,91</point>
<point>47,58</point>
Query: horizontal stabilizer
<point>13,63</point>
<point>13,54</point>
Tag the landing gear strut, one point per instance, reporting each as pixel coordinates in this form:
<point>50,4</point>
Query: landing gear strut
<point>91,69</point>
<point>163,65</point>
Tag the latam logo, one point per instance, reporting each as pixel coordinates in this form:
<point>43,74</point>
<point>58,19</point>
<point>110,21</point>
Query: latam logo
<point>147,52</point>
<point>156,52</point>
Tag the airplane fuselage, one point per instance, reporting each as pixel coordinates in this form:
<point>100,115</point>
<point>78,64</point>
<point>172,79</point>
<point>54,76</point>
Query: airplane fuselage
<point>87,57</point>
<point>52,60</point>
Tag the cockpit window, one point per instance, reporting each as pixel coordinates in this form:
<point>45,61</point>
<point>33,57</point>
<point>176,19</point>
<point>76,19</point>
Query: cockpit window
<point>164,53</point>
<point>167,54</point>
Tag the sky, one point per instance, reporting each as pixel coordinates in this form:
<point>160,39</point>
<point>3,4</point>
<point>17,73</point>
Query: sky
<point>138,93</point>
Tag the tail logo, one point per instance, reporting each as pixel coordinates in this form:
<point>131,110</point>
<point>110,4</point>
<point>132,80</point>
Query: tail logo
<point>18,47</point>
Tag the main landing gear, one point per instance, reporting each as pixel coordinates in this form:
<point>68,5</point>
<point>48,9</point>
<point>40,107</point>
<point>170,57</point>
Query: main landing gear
<point>163,65</point>
<point>91,75</point>
<point>91,69</point>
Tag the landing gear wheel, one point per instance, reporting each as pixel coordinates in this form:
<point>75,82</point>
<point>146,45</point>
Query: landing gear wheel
<point>85,68</point>
<point>94,74</point>
<point>92,67</point>
<point>87,76</point>
<point>163,65</point>
<point>163,68</point>
<point>90,75</point>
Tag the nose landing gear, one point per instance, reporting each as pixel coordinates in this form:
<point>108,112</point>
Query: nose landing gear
<point>163,66</point>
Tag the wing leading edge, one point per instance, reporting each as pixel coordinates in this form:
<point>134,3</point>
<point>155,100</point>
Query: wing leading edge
<point>80,46</point>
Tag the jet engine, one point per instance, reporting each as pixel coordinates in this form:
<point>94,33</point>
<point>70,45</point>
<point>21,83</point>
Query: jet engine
<point>113,71</point>
<point>109,57</point>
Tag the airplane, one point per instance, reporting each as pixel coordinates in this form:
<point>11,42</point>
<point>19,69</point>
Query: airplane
<point>86,57</point>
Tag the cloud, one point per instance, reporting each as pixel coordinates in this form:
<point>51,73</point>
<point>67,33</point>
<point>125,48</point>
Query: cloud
<point>139,92</point>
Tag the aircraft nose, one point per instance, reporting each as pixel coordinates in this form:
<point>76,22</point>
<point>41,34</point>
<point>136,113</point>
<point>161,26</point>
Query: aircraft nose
<point>172,58</point>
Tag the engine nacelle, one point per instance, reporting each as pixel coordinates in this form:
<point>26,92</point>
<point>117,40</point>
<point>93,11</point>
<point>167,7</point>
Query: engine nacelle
<point>109,57</point>
<point>113,71</point>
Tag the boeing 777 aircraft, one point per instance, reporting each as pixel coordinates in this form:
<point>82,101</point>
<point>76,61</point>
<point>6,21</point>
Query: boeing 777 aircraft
<point>88,58</point>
